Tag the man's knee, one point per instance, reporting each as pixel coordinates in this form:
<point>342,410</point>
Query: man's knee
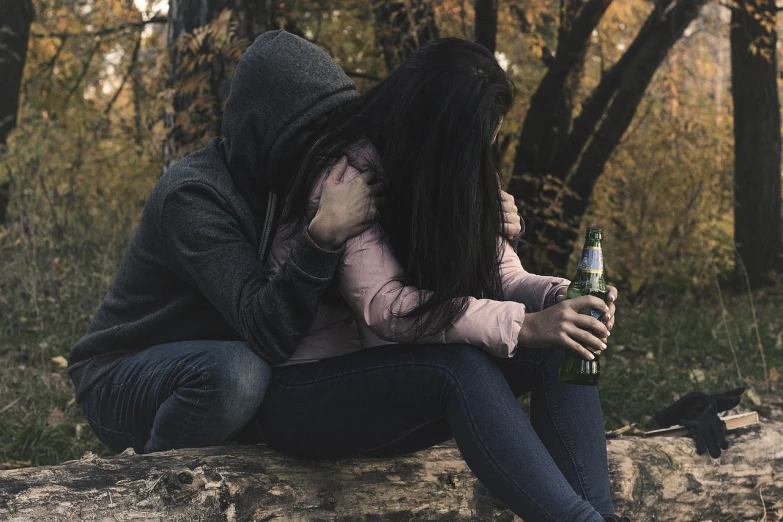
<point>239,378</point>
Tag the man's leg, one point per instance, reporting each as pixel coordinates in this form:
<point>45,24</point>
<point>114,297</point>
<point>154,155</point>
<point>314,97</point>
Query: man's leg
<point>178,395</point>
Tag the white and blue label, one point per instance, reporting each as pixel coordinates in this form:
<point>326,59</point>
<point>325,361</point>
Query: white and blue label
<point>592,261</point>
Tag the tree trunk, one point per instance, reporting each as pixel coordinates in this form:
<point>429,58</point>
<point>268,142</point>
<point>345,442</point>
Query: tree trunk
<point>185,16</point>
<point>758,233</point>
<point>486,23</point>
<point>653,479</point>
<point>576,166</point>
<point>401,27</point>
<point>15,19</point>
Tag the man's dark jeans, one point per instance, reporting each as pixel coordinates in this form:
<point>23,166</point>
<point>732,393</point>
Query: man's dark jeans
<point>398,399</point>
<point>179,395</point>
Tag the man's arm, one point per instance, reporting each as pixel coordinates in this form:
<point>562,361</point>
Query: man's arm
<point>207,248</point>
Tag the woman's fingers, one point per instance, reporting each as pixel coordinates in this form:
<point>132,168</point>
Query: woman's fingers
<point>613,295</point>
<point>587,301</point>
<point>586,339</point>
<point>580,350</point>
<point>588,322</point>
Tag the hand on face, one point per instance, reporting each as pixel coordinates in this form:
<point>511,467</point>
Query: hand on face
<point>346,209</point>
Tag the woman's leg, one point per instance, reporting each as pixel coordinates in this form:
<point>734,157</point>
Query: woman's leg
<point>363,402</point>
<point>568,420</point>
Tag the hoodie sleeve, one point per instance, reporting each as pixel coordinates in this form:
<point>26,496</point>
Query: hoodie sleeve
<point>207,248</point>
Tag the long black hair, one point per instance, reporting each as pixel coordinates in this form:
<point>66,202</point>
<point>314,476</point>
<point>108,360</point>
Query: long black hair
<point>433,121</point>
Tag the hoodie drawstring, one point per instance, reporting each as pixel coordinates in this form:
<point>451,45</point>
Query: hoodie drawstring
<point>270,214</point>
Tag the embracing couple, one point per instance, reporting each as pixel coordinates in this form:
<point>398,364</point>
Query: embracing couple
<point>334,277</point>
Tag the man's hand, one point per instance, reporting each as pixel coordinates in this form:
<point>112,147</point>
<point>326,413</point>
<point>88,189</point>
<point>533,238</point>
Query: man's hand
<point>563,325</point>
<point>346,209</point>
<point>512,222</point>
<point>608,318</point>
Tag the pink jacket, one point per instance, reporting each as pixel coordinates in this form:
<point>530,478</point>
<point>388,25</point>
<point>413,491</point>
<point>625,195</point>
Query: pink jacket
<point>368,277</point>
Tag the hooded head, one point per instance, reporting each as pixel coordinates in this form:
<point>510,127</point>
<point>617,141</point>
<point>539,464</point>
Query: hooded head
<point>282,84</point>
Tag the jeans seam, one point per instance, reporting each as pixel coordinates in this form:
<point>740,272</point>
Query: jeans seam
<point>147,374</point>
<point>192,412</point>
<point>555,414</point>
<point>102,427</point>
<point>491,459</point>
<point>462,395</point>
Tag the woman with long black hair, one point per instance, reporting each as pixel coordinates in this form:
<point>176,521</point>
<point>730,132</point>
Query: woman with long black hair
<point>433,328</point>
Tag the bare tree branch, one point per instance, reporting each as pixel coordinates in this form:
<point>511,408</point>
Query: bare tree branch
<point>128,73</point>
<point>82,74</point>
<point>105,31</point>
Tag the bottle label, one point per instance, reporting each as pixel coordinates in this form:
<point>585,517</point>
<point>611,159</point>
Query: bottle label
<point>598,314</point>
<point>592,261</point>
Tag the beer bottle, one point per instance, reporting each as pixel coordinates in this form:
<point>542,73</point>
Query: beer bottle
<point>589,280</point>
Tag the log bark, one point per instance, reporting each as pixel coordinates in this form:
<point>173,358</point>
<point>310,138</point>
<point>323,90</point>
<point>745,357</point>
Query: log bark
<point>653,479</point>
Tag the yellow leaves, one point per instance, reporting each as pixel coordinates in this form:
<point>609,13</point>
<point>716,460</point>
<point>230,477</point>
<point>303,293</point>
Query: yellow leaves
<point>697,375</point>
<point>60,361</point>
<point>55,418</point>
<point>753,396</point>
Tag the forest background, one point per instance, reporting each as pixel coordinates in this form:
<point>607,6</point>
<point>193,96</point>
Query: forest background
<point>658,121</point>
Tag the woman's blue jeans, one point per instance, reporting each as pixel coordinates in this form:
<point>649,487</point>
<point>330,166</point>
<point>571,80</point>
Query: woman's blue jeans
<point>402,398</point>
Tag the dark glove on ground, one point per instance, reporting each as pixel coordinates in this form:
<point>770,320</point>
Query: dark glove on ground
<point>689,406</point>
<point>709,432</point>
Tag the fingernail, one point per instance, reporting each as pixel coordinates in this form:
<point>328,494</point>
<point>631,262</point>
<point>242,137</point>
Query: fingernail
<point>604,346</point>
<point>608,316</point>
<point>590,356</point>
<point>608,333</point>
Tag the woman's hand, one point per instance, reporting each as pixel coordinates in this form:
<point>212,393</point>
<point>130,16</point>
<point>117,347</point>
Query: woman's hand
<point>608,318</point>
<point>563,325</point>
<point>346,209</point>
<point>512,222</point>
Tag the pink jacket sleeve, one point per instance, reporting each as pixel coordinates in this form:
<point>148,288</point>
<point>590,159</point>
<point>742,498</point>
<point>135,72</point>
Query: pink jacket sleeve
<point>534,291</point>
<point>369,279</point>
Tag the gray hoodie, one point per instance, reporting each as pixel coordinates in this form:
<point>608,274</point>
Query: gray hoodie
<point>194,269</point>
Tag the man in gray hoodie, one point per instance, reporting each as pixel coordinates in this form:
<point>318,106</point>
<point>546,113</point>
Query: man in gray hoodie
<point>179,351</point>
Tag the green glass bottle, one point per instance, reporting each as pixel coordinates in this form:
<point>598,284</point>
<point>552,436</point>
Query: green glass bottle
<point>589,280</point>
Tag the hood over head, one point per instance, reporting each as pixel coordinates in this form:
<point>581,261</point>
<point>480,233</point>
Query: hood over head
<point>282,84</point>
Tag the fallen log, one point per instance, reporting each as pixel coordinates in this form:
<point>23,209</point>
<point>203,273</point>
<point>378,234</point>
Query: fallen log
<point>653,479</point>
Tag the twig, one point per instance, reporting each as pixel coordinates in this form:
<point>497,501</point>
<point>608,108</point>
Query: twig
<point>105,31</point>
<point>755,320</point>
<point>723,315</point>
<point>82,74</point>
<point>128,73</point>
